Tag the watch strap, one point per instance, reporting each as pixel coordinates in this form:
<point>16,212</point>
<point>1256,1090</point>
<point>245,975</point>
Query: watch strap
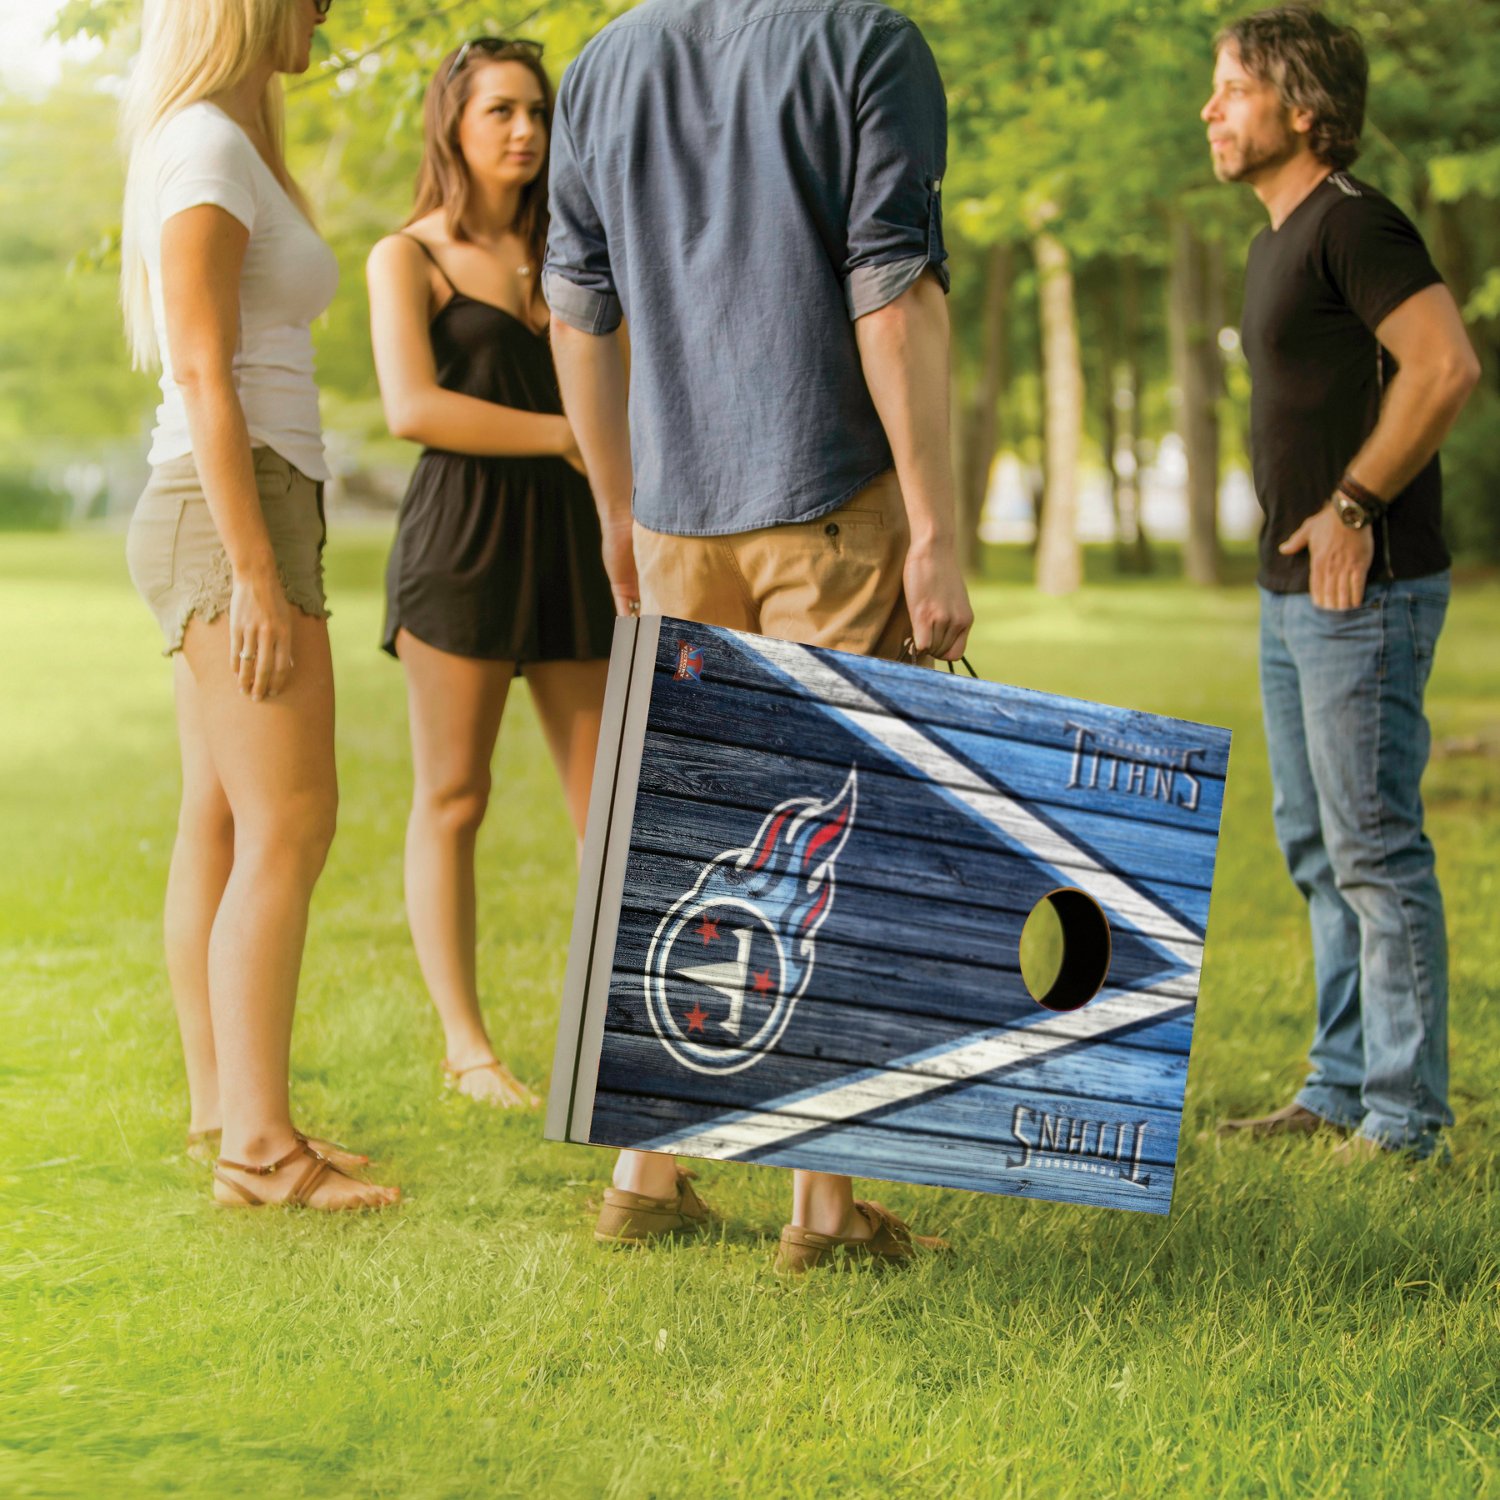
<point>1365,498</point>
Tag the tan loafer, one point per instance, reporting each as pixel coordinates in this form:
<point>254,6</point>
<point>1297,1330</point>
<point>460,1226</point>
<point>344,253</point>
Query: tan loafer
<point>634,1218</point>
<point>890,1243</point>
<point>1290,1119</point>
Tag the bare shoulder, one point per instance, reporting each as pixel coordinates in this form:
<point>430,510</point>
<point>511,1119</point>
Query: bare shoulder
<point>396,260</point>
<point>431,229</point>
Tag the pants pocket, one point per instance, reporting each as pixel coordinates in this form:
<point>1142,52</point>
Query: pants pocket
<point>274,476</point>
<point>151,545</point>
<point>1425,615</point>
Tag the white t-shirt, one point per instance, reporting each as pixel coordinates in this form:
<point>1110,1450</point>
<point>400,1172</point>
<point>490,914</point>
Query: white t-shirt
<point>199,155</point>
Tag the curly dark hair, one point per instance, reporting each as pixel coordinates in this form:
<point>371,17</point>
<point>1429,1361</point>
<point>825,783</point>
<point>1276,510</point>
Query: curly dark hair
<point>1314,64</point>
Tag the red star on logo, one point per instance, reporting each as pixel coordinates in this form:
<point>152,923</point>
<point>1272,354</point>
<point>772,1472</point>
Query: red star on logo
<point>696,1017</point>
<point>708,931</point>
<point>762,981</point>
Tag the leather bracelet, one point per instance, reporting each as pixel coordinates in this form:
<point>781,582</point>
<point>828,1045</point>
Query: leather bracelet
<point>1361,496</point>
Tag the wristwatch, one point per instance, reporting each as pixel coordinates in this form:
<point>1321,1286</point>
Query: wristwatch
<point>1357,506</point>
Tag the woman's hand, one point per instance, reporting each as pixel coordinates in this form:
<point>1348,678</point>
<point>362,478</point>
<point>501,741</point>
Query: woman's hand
<point>260,633</point>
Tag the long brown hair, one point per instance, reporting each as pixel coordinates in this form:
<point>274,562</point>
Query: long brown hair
<point>443,179</point>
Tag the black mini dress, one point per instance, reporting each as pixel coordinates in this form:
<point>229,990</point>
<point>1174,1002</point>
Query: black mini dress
<point>497,558</point>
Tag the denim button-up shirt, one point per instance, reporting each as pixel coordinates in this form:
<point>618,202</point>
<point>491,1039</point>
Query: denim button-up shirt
<point>743,179</point>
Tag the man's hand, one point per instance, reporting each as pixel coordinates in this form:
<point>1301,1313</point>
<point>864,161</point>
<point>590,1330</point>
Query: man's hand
<point>1340,557</point>
<point>619,563</point>
<point>938,601</point>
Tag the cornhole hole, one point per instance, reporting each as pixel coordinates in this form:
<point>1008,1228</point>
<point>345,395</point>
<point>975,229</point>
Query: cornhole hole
<point>798,937</point>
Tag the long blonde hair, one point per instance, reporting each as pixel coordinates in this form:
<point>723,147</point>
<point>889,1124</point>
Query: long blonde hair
<point>191,50</point>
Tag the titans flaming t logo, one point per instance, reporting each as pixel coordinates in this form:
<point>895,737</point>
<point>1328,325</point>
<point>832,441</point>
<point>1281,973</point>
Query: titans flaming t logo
<point>733,955</point>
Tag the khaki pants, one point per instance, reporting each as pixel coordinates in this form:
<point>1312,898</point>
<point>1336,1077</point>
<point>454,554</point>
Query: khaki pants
<point>834,582</point>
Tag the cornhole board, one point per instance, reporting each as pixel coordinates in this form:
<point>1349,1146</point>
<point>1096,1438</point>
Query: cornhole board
<point>804,882</point>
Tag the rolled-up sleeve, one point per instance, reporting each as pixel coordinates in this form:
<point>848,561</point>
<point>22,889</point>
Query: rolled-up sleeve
<point>576,277</point>
<point>901,150</point>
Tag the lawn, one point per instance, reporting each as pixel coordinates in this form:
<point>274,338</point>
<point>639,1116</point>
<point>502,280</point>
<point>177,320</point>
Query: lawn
<point>1293,1328</point>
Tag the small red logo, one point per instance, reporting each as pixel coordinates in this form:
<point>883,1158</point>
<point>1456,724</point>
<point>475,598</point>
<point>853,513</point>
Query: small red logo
<point>689,663</point>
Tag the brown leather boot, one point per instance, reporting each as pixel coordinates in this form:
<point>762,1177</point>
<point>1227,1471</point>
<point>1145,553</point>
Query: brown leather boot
<point>1290,1119</point>
<point>634,1218</point>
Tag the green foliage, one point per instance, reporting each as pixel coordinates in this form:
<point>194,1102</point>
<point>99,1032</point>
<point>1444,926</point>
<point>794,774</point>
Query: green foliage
<point>30,504</point>
<point>1455,177</point>
<point>1291,1330</point>
<point>64,375</point>
<point>1471,480</point>
<point>1082,116</point>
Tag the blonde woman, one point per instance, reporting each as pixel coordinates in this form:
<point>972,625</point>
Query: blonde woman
<point>223,274</point>
<point>497,566</point>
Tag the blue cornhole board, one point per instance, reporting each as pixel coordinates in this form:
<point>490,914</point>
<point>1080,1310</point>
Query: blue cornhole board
<point>797,935</point>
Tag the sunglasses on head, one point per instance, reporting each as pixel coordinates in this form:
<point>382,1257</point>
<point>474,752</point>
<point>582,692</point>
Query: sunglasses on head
<point>488,45</point>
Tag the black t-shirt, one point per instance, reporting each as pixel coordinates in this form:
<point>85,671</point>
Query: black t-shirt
<point>1315,290</point>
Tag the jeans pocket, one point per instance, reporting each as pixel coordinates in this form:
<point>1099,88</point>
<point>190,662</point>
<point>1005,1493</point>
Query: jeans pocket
<point>1426,615</point>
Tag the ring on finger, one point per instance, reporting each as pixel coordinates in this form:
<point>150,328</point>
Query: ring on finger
<point>247,654</point>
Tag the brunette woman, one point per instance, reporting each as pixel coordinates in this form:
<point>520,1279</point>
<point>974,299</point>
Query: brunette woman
<point>496,568</point>
<point>223,273</point>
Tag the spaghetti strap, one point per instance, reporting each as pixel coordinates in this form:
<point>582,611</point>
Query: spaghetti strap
<point>427,251</point>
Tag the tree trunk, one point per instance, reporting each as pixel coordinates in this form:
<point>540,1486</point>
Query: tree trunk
<point>1059,560</point>
<point>1137,544</point>
<point>1105,378</point>
<point>1194,312</point>
<point>983,430</point>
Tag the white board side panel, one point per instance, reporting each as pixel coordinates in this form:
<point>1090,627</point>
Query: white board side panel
<point>612,877</point>
<point>586,901</point>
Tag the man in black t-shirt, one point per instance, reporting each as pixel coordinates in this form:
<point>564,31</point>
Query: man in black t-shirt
<point>1359,363</point>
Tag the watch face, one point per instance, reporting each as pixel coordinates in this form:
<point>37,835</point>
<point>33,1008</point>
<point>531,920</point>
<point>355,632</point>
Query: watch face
<point>1352,513</point>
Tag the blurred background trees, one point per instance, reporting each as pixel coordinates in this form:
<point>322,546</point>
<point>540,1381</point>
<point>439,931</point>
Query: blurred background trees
<point>1099,391</point>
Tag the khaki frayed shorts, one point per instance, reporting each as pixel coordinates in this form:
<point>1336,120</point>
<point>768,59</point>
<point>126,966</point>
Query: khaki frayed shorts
<point>834,581</point>
<point>179,565</point>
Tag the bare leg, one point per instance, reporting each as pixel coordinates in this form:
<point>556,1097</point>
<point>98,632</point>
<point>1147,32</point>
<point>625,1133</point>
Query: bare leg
<point>201,858</point>
<point>274,761</point>
<point>454,704</point>
<point>569,698</point>
<point>825,1202</point>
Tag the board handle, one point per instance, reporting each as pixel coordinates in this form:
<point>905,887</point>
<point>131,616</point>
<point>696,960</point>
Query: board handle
<point>909,654</point>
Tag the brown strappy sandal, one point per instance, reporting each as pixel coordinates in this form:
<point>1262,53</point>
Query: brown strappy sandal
<point>318,1167</point>
<point>203,1148</point>
<point>452,1075</point>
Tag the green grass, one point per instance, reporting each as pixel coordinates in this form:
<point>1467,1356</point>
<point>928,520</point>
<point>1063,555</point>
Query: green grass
<point>1289,1330</point>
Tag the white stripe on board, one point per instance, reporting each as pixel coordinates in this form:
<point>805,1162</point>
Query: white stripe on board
<point>910,1078</point>
<point>1075,865</point>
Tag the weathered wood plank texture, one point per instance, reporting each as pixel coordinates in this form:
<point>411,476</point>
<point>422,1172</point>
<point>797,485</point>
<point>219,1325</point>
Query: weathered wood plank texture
<point>824,864</point>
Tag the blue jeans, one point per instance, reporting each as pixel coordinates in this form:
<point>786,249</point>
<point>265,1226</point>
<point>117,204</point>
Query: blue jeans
<point>1342,691</point>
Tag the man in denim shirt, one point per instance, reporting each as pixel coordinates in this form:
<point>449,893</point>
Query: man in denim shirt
<point>754,186</point>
